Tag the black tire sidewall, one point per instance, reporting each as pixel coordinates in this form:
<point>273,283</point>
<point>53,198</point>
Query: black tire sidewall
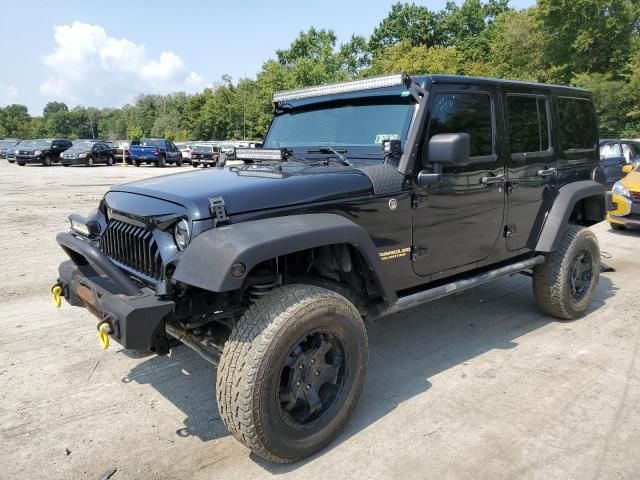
<point>46,161</point>
<point>279,437</point>
<point>583,242</point>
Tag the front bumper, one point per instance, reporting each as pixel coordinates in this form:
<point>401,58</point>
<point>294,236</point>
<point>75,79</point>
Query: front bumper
<point>622,210</point>
<point>29,158</point>
<point>91,280</point>
<point>73,161</point>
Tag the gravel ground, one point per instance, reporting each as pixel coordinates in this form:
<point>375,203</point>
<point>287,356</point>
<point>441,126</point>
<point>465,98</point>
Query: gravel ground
<point>479,385</point>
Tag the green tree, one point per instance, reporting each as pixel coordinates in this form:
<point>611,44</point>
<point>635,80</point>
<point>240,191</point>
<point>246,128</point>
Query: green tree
<point>587,36</point>
<point>15,121</point>
<point>418,59</point>
<point>406,21</point>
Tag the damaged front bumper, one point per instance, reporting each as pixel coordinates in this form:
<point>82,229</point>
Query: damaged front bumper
<point>136,315</point>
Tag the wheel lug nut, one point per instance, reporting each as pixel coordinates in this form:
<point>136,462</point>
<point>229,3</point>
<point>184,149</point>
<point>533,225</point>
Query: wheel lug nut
<point>317,373</point>
<point>300,367</point>
<point>313,360</point>
<point>297,384</point>
<point>308,387</point>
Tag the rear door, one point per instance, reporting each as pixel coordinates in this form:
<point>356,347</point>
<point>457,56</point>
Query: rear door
<point>532,165</point>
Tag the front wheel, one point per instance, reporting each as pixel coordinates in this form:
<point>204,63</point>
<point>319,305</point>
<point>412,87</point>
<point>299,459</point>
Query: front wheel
<point>46,161</point>
<point>89,161</point>
<point>565,284</point>
<point>110,160</point>
<point>179,162</point>
<point>292,372</point>
<point>137,163</point>
<point>194,164</point>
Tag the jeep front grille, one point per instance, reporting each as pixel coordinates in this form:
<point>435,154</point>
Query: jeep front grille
<point>133,247</point>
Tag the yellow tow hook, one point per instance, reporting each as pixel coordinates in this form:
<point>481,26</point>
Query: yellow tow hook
<point>56,290</point>
<point>104,329</point>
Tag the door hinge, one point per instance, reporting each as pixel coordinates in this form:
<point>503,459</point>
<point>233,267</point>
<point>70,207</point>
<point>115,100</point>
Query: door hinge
<point>419,199</point>
<point>417,252</point>
<point>509,230</point>
<point>218,211</point>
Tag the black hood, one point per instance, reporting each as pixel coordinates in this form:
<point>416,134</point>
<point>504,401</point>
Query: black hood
<point>250,188</point>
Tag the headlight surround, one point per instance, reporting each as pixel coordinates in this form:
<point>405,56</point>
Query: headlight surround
<point>82,155</point>
<point>621,190</point>
<point>84,227</point>
<point>182,234</point>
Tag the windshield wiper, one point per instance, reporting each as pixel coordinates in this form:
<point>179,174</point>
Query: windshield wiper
<point>338,153</point>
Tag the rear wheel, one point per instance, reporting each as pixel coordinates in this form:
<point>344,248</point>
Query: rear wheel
<point>292,372</point>
<point>162,161</point>
<point>617,226</point>
<point>137,163</point>
<point>194,164</point>
<point>565,284</point>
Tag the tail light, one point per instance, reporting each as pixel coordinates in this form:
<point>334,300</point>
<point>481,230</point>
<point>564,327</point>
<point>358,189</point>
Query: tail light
<point>157,151</point>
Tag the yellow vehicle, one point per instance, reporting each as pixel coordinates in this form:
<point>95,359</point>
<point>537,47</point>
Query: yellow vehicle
<point>624,209</point>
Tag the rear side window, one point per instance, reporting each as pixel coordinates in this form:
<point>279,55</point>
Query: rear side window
<point>528,123</point>
<point>577,123</point>
<point>464,113</point>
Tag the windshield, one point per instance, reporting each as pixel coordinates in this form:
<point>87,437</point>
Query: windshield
<point>608,150</point>
<point>355,125</point>
<point>202,149</point>
<point>82,145</point>
<point>151,142</point>
<point>36,144</point>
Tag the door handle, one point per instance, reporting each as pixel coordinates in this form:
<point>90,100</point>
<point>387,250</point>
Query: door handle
<point>493,180</point>
<point>547,172</point>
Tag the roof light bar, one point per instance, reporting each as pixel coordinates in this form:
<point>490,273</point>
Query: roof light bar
<point>345,87</point>
<point>259,154</point>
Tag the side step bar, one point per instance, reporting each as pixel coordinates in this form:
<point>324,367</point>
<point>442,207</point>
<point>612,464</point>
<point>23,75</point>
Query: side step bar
<point>436,293</point>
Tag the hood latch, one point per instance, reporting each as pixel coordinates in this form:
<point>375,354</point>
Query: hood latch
<point>218,211</point>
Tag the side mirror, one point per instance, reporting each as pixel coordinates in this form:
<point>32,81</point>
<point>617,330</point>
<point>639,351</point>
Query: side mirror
<point>627,169</point>
<point>453,149</point>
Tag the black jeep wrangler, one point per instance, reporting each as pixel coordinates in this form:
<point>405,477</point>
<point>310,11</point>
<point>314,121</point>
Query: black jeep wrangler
<point>367,198</point>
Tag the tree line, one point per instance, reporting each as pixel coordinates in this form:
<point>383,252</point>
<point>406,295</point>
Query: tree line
<point>593,44</point>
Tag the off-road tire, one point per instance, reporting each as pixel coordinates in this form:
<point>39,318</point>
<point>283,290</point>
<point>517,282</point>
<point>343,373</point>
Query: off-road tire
<point>551,280</point>
<point>46,161</point>
<point>617,226</point>
<point>248,378</point>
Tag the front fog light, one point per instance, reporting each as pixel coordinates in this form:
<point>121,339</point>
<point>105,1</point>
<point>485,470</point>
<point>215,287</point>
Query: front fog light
<point>181,234</point>
<point>84,227</point>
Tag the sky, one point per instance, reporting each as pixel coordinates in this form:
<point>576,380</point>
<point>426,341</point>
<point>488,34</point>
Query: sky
<point>104,54</point>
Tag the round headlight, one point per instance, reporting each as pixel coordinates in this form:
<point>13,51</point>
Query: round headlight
<point>181,234</point>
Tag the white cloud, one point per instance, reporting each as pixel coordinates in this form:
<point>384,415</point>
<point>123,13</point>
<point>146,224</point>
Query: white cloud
<point>89,67</point>
<point>8,94</point>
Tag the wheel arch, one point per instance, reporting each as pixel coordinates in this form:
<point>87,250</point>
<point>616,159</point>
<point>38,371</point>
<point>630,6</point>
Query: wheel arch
<point>207,262</point>
<point>579,203</point>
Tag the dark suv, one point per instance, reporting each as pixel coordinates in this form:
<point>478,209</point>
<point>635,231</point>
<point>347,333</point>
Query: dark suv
<point>44,151</point>
<point>89,153</point>
<point>368,198</point>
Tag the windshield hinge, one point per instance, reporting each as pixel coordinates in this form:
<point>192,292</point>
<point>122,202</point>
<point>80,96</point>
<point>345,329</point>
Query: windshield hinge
<point>218,211</point>
<point>419,199</point>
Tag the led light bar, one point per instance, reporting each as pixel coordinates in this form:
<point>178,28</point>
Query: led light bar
<point>259,154</point>
<point>394,80</point>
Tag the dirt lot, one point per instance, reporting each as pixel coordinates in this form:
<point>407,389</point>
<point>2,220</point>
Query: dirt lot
<point>480,385</point>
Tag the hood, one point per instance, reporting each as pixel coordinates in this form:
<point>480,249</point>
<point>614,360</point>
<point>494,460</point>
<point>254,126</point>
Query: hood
<point>632,181</point>
<point>248,188</point>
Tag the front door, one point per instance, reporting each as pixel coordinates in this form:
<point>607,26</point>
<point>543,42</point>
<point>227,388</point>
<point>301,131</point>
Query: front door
<point>457,222</point>
<point>532,168</point>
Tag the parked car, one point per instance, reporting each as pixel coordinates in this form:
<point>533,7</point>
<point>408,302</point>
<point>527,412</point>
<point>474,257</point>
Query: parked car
<point>368,198</point>
<point>228,149</point>
<point>121,147</point>
<point>205,155</point>
<point>628,149</point>
<point>624,200</point>
<point>44,151</point>
<point>185,149</point>
<point>7,145</point>
<point>155,150</point>
<point>614,155</point>
<point>89,153</point>
<point>10,154</point>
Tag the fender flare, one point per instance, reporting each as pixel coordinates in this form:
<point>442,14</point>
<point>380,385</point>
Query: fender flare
<point>564,202</point>
<point>207,261</point>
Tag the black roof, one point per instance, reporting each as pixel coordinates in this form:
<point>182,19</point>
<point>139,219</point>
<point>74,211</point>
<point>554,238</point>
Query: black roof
<point>441,78</point>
